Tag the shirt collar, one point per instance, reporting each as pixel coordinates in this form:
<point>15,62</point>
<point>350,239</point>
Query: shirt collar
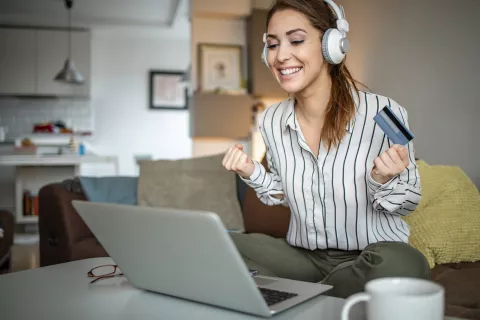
<point>289,116</point>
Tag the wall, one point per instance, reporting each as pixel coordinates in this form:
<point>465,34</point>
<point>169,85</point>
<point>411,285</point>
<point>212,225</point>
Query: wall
<point>423,55</point>
<point>220,9</point>
<point>123,124</point>
<point>221,31</point>
<point>261,4</point>
<point>118,110</point>
<point>20,114</point>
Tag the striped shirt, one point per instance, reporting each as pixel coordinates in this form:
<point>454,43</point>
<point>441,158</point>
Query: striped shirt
<point>334,202</point>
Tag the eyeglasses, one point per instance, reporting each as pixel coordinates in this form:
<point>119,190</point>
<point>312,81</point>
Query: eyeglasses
<point>103,272</point>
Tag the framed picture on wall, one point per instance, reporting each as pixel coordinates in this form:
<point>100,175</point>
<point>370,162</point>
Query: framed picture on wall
<point>167,90</point>
<point>220,67</point>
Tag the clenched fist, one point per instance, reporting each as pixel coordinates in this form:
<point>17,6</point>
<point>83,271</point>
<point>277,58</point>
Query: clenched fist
<point>390,163</point>
<point>238,161</point>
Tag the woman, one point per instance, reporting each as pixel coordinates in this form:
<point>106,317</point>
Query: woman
<point>346,184</point>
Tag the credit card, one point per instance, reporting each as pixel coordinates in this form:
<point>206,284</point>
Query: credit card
<point>393,127</point>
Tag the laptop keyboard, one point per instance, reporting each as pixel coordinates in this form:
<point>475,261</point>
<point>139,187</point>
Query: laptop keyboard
<point>274,296</point>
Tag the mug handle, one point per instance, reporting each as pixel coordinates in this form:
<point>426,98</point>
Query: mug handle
<point>353,299</point>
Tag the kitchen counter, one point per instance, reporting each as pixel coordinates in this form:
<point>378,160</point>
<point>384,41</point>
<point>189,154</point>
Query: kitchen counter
<point>52,160</point>
<point>28,173</point>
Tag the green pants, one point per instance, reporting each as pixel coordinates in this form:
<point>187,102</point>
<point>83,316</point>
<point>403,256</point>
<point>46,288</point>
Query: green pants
<point>346,271</point>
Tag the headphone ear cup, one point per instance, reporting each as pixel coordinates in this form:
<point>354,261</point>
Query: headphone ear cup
<point>331,46</point>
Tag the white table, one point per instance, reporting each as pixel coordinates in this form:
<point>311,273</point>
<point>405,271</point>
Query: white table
<point>63,292</point>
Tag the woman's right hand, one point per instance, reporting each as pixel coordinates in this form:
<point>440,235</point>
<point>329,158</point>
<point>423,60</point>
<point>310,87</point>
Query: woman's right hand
<point>238,161</point>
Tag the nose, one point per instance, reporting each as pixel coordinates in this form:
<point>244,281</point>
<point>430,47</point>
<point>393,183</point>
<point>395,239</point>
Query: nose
<point>283,53</point>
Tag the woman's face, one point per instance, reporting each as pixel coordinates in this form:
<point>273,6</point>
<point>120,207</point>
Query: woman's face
<point>294,51</point>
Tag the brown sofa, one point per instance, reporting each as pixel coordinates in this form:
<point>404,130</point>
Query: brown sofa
<point>6,241</point>
<point>65,237</point>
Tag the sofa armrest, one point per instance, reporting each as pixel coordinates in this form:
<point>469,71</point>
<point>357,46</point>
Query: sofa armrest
<point>64,236</point>
<point>6,241</point>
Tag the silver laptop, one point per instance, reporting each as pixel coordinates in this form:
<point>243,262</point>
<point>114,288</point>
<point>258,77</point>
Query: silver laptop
<point>188,254</point>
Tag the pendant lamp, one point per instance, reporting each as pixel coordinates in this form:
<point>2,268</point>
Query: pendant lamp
<point>69,73</point>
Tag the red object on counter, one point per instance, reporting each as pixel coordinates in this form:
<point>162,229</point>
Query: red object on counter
<point>47,127</point>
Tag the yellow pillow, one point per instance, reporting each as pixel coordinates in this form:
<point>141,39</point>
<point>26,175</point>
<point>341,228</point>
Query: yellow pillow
<point>445,227</point>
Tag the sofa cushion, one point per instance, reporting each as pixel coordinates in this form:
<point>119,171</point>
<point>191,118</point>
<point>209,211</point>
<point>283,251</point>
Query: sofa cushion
<point>197,183</point>
<point>261,218</point>
<point>117,189</point>
<point>445,225</point>
<point>462,284</point>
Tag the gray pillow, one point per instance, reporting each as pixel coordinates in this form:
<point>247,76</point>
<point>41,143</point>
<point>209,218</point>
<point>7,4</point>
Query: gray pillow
<point>195,184</point>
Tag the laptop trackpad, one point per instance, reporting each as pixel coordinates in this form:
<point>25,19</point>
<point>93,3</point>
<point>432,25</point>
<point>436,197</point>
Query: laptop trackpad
<point>263,282</point>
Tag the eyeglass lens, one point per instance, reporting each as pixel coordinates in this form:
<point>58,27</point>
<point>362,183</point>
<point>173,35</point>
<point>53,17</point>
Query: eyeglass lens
<point>103,271</point>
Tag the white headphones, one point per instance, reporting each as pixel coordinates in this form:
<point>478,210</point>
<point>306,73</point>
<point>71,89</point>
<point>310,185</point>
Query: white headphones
<point>334,43</point>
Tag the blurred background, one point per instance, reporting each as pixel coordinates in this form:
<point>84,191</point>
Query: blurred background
<point>90,87</point>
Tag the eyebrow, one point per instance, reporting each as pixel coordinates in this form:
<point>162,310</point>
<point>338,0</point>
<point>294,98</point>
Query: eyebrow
<point>287,33</point>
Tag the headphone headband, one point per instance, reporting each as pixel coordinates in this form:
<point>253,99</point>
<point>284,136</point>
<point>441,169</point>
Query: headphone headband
<point>342,24</point>
<point>339,12</point>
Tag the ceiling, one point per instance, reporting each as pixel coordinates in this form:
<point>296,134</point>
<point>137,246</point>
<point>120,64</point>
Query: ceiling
<point>165,14</point>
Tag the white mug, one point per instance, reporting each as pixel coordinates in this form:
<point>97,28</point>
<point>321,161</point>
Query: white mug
<point>400,299</point>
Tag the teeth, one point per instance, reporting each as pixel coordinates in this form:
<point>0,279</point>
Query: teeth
<point>289,71</point>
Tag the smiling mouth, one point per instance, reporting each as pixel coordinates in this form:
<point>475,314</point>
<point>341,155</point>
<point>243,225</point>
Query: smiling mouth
<point>289,71</point>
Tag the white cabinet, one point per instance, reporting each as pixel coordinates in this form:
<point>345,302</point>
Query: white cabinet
<point>30,58</point>
<point>49,62</point>
<point>81,55</point>
<point>17,61</point>
<point>30,173</point>
<point>52,51</point>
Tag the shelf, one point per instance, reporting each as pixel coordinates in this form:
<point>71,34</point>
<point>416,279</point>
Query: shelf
<point>47,139</point>
<point>33,179</point>
<point>56,135</point>
<point>53,160</point>
<point>221,115</point>
<point>216,9</point>
<point>261,82</point>
<point>31,173</point>
<point>26,219</point>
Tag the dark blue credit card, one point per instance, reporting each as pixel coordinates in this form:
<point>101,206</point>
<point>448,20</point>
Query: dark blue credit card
<point>393,128</point>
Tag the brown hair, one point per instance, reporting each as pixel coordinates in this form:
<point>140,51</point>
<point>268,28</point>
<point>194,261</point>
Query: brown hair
<point>341,107</point>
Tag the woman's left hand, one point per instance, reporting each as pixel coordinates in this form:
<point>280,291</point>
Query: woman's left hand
<point>390,163</point>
